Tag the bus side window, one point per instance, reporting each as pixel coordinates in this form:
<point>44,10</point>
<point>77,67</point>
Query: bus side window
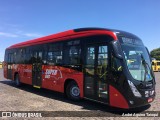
<point>18,56</point>
<point>28,59</point>
<point>22,55</point>
<point>10,58</point>
<point>14,56</point>
<point>39,57</point>
<point>54,56</point>
<point>116,64</point>
<point>50,58</point>
<point>74,55</point>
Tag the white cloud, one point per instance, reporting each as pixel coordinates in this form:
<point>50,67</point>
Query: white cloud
<point>4,34</point>
<point>32,34</point>
<point>20,34</point>
<point>14,30</point>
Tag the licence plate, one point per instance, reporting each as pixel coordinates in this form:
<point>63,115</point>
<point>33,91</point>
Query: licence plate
<point>150,99</point>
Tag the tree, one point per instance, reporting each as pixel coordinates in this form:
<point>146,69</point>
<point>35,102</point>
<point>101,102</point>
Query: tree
<point>155,53</point>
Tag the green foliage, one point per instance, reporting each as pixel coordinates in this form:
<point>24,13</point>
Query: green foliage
<point>155,53</point>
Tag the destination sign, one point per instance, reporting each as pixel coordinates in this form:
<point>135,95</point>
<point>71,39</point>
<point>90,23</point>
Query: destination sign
<point>127,40</point>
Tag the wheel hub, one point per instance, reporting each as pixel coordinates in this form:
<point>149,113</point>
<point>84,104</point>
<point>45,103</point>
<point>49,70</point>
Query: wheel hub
<point>75,91</point>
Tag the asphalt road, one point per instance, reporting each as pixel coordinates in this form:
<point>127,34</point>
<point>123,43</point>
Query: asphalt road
<point>27,98</point>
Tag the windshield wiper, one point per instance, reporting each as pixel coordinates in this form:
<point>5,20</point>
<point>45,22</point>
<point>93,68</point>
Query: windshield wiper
<point>145,64</point>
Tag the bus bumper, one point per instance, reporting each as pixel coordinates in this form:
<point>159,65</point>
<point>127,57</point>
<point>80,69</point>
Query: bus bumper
<point>139,102</point>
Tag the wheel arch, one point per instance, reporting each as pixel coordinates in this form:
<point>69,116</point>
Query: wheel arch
<point>15,75</point>
<point>67,81</point>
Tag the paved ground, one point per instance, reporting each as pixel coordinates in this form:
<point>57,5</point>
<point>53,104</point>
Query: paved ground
<point>27,98</point>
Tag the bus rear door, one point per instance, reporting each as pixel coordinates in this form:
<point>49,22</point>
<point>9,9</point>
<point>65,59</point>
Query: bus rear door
<point>37,69</point>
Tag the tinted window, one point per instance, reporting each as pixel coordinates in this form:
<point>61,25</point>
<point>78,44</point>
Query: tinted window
<point>72,52</point>
<point>90,56</point>
<point>28,56</point>
<point>6,56</point>
<point>74,55</point>
<point>103,55</point>
<point>54,56</point>
<point>10,58</point>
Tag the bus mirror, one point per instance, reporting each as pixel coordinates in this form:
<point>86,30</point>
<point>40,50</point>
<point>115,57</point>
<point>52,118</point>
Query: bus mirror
<point>149,54</point>
<point>116,49</point>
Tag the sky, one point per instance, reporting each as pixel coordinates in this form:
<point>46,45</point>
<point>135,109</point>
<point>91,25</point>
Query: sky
<point>22,20</point>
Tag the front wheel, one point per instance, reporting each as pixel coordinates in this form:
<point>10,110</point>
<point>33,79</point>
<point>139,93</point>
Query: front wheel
<point>73,91</point>
<point>17,80</point>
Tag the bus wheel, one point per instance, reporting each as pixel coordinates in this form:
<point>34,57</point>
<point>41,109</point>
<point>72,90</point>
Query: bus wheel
<point>73,91</point>
<point>17,81</point>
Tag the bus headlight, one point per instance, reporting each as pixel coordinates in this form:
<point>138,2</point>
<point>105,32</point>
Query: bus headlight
<point>134,89</point>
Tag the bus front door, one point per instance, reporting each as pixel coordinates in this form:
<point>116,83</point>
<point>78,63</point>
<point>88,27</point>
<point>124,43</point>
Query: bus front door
<point>37,69</point>
<point>96,63</point>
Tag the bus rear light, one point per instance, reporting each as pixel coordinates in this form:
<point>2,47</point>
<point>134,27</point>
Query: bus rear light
<point>134,89</point>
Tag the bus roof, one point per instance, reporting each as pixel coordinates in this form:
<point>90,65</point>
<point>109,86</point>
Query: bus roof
<point>80,32</point>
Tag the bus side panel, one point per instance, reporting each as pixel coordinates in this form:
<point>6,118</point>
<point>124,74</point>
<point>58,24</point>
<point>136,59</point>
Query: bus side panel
<point>53,78</point>
<point>5,70</point>
<point>6,73</point>
<point>24,71</point>
<point>117,99</point>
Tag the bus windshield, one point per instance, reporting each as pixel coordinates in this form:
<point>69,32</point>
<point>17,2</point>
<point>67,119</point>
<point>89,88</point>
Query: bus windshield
<point>138,62</point>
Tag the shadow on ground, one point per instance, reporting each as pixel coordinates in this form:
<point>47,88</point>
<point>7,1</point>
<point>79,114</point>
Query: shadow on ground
<point>86,104</point>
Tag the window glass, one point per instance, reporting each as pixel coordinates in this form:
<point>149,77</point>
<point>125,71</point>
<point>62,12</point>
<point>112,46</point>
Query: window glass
<point>28,59</point>
<point>102,60</point>
<point>116,64</point>
<point>90,56</point>
<point>138,62</point>
<point>14,56</point>
<point>39,56</point>
<point>90,61</point>
<point>74,54</point>
<point>22,55</point>
<point>75,42</point>
<point>10,58</point>
<point>19,56</point>
<point>103,55</point>
<point>55,54</point>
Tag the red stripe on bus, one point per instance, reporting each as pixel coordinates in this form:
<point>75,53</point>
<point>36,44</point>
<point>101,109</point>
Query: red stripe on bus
<point>116,98</point>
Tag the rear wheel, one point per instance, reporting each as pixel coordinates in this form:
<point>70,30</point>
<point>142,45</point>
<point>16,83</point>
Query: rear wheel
<point>17,80</point>
<point>73,91</point>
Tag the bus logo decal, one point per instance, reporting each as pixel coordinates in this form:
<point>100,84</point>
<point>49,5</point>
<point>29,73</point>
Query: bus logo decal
<point>53,73</point>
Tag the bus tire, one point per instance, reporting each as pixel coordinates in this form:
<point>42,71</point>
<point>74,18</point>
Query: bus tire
<point>73,91</point>
<point>17,80</point>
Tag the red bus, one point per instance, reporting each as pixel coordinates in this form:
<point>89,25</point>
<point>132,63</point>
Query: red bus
<point>104,65</point>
